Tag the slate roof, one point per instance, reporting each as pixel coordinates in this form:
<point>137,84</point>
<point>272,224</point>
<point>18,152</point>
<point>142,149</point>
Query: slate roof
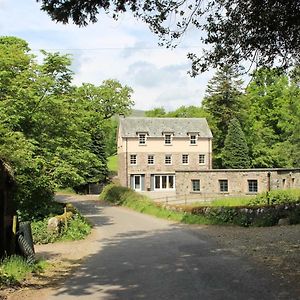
<point>157,127</point>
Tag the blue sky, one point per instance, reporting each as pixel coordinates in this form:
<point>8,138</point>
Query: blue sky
<point>125,50</point>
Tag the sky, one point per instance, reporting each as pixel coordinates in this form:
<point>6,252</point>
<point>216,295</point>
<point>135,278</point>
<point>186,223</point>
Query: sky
<point>124,50</point>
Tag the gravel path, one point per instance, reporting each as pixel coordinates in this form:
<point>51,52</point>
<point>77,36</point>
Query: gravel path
<point>275,248</point>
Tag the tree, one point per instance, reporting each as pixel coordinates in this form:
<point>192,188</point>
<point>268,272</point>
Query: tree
<point>262,31</point>
<point>156,113</point>
<point>51,133</point>
<point>273,118</point>
<point>223,103</point>
<point>235,152</point>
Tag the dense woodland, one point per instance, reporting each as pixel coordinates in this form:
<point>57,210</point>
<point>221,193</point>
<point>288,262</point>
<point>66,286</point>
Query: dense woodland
<point>58,135</point>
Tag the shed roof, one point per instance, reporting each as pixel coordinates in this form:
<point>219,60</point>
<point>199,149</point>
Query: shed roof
<point>156,127</point>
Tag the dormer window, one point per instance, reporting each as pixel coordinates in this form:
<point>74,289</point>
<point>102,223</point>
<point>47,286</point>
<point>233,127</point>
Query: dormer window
<point>168,139</point>
<point>193,139</point>
<point>142,139</point>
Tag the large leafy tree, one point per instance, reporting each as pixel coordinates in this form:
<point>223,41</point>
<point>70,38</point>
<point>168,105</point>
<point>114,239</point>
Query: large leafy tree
<point>260,31</point>
<point>52,134</point>
<point>235,154</point>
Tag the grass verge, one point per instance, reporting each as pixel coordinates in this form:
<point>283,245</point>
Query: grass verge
<point>15,269</point>
<point>126,197</point>
<point>255,213</point>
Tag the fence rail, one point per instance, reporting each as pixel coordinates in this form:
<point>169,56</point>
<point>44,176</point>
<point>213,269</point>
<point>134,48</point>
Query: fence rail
<point>189,198</point>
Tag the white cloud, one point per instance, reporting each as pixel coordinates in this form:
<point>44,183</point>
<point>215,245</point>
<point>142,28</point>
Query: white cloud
<point>125,50</point>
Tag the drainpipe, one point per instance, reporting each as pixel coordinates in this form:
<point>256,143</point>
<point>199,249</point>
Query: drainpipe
<point>268,186</point>
<point>209,155</point>
<point>126,161</point>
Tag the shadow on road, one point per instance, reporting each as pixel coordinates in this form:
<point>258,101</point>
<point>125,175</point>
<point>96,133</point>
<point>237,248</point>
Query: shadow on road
<point>170,263</point>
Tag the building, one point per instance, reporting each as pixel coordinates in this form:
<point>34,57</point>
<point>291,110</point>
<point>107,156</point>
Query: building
<point>234,182</point>
<point>150,150</point>
<point>175,154</point>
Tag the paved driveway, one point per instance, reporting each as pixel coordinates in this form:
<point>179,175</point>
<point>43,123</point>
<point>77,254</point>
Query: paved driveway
<point>136,256</point>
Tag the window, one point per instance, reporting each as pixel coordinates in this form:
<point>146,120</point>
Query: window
<point>252,186</point>
<point>168,139</point>
<point>133,159</point>
<point>185,159</point>
<point>193,139</point>
<point>223,183</point>
<point>168,159</point>
<point>142,138</point>
<point>201,159</point>
<point>195,185</point>
<point>150,159</point>
<point>164,182</point>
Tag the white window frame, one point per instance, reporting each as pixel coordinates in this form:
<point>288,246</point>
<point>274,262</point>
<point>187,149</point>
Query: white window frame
<point>185,159</point>
<point>168,159</point>
<point>194,187</point>
<point>193,139</point>
<point>133,159</point>
<point>158,182</point>
<point>142,138</point>
<point>252,186</point>
<point>150,159</point>
<point>201,161</point>
<point>168,139</point>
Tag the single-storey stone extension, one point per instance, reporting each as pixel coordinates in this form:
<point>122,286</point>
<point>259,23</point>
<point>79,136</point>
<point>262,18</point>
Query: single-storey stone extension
<point>235,181</point>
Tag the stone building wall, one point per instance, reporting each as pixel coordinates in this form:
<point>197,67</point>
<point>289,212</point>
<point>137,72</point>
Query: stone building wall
<point>159,166</point>
<point>237,180</point>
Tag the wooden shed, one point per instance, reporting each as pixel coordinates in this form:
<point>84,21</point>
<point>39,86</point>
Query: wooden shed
<point>7,210</point>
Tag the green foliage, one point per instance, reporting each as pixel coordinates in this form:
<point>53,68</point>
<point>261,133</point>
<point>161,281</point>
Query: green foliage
<point>235,151</point>
<point>52,133</point>
<point>15,269</point>
<point>240,201</point>
<point>113,163</point>
<point>277,197</point>
<point>222,103</point>
<point>273,121</point>
<point>124,196</point>
<point>77,228</point>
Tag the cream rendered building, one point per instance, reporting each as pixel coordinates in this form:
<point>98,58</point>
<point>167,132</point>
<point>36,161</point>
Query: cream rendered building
<point>150,150</point>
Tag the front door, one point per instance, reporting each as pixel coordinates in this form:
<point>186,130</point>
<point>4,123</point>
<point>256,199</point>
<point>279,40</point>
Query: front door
<point>137,182</point>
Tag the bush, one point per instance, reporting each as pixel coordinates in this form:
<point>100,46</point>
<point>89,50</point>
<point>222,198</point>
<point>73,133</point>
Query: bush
<point>77,228</point>
<point>277,197</point>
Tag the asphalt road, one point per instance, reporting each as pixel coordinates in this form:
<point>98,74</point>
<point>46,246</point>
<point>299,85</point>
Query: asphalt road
<point>141,257</point>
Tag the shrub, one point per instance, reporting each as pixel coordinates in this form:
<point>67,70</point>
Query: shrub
<point>277,197</point>
<point>77,228</point>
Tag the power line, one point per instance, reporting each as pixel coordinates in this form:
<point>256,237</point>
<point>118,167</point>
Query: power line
<point>114,48</point>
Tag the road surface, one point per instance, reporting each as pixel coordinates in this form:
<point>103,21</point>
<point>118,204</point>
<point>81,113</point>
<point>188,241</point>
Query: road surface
<point>137,256</point>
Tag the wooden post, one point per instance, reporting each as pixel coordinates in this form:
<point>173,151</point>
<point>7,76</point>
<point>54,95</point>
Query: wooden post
<point>66,220</point>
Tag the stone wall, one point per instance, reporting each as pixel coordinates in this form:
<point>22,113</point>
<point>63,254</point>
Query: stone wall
<point>237,180</point>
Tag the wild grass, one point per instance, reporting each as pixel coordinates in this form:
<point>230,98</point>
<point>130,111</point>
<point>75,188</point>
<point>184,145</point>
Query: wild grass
<point>15,269</point>
<point>126,197</point>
